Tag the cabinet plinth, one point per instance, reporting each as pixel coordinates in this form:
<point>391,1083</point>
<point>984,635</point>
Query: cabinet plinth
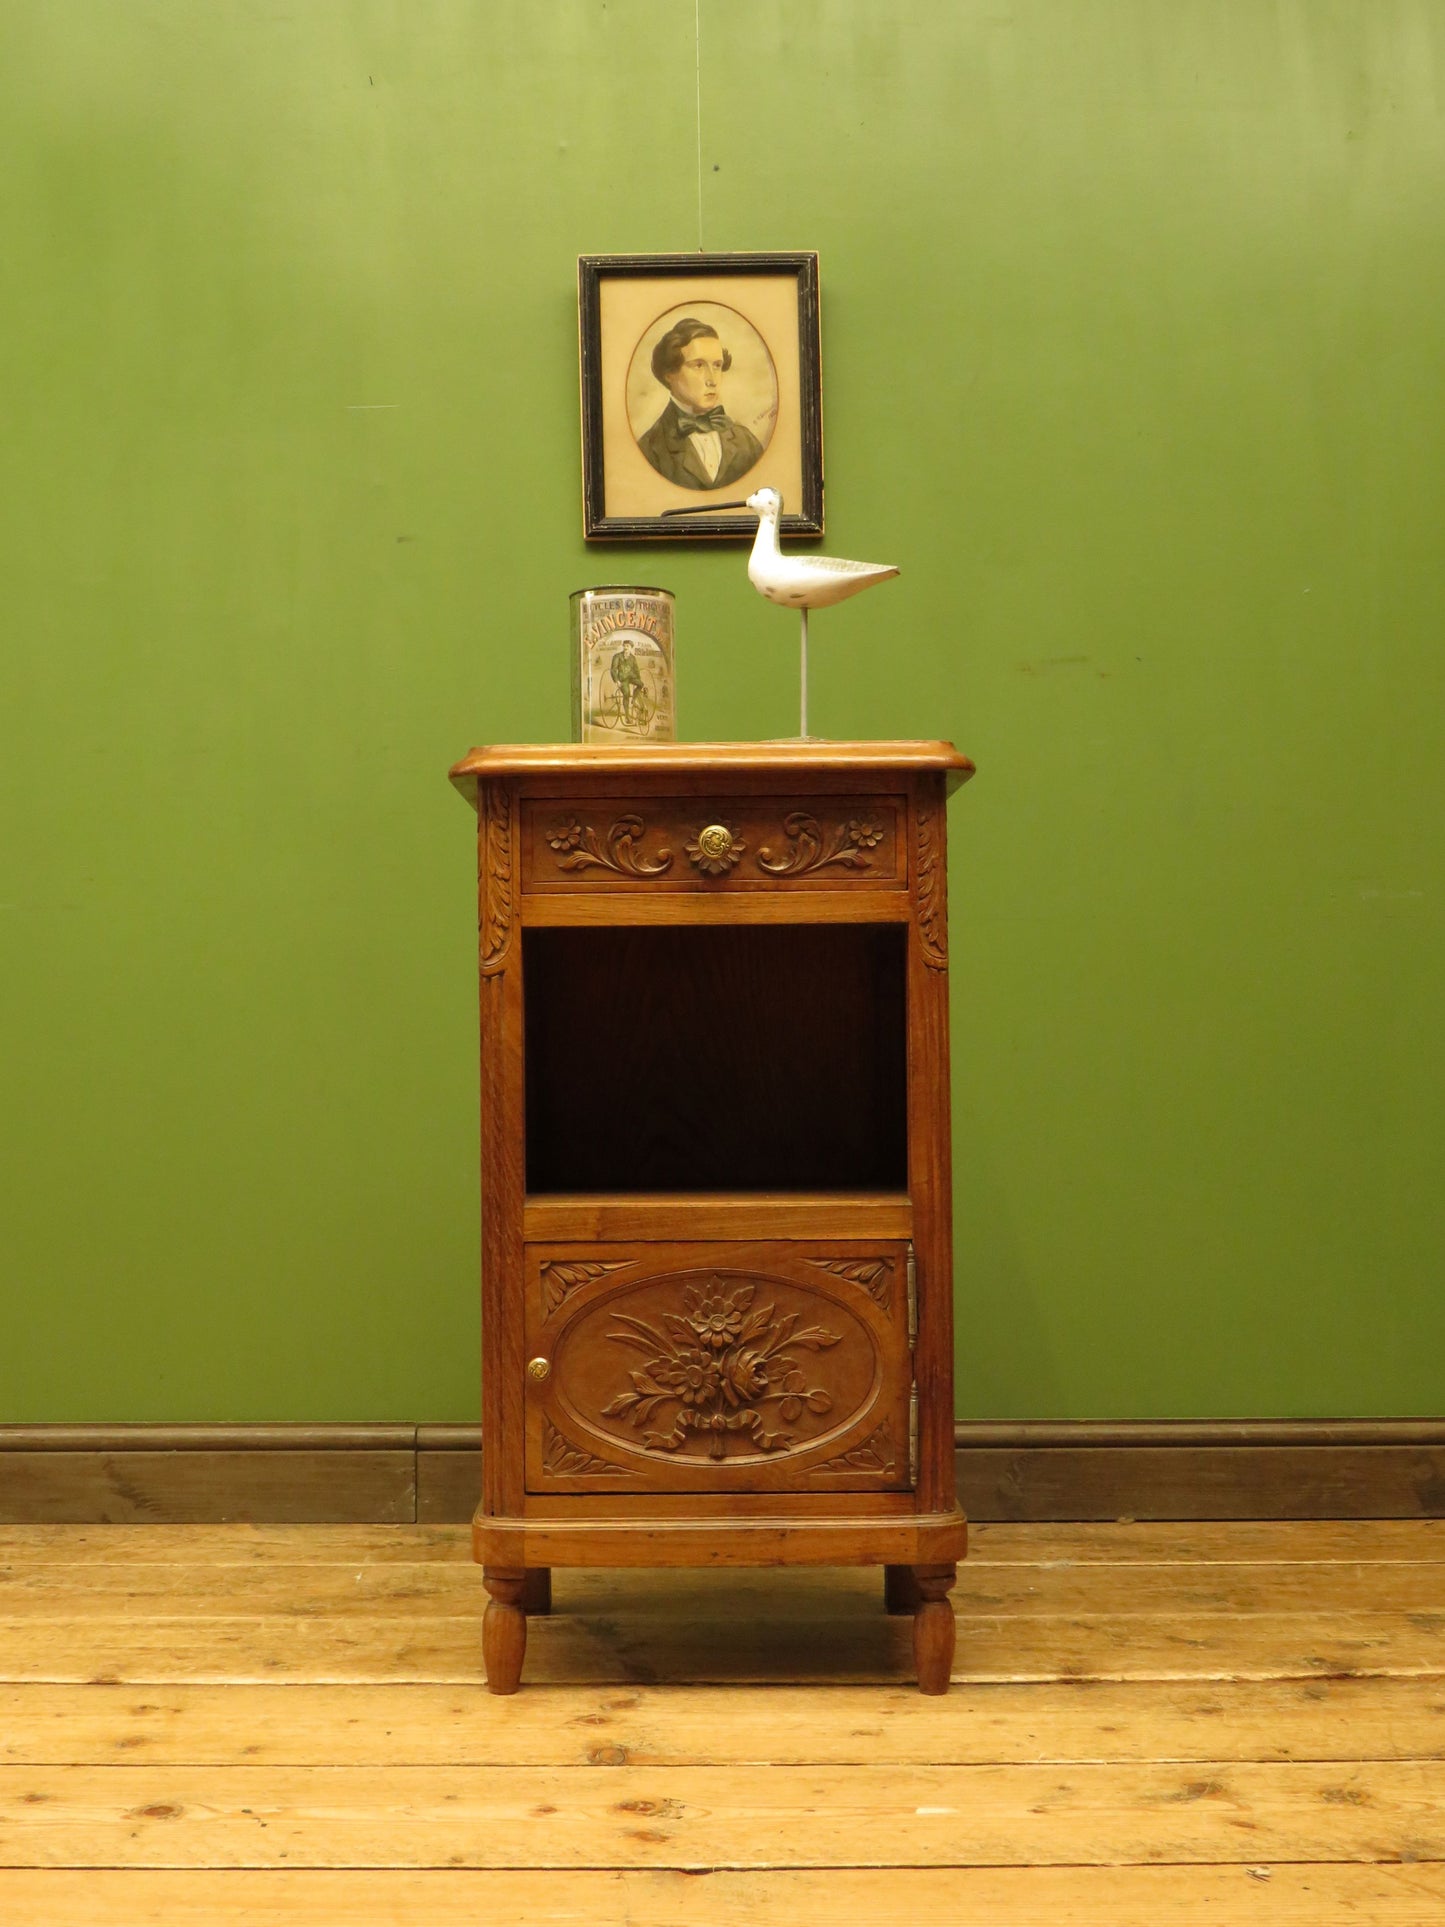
<point>715,1173</point>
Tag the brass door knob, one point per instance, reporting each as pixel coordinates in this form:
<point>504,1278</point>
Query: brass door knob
<point>538,1369</point>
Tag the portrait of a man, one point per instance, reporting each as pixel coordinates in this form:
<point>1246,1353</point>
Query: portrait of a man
<point>694,442</point>
<point>700,383</point>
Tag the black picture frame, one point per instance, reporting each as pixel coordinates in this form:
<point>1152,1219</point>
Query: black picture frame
<point>765,303</point>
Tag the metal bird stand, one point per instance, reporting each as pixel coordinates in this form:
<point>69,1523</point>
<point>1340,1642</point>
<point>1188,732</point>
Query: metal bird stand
<point>803,713</point>
<point>707,508</point>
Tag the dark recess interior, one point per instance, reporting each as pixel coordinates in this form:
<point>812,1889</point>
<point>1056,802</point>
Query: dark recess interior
<point>727,1058</point>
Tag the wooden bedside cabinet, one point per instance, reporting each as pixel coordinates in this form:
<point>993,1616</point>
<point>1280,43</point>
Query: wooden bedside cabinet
<point>716,1260</point>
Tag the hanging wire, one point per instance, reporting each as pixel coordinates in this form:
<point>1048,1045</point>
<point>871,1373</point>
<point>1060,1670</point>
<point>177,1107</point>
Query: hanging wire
<point>697,38</point>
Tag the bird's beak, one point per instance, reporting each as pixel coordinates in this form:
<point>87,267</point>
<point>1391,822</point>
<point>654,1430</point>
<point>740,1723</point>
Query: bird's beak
<point>706,508</point>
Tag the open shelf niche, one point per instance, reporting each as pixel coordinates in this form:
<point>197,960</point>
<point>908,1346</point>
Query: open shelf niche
<point>719,1058</point>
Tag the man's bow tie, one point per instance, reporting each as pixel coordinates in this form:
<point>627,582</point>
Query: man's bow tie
<point>707,424</point>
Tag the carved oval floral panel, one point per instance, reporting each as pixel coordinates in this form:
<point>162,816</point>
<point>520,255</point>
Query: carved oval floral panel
<point>722,1370</point>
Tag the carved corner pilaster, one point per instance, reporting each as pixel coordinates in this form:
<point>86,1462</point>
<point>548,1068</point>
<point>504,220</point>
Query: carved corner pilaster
<point>932,882</point>
<point>494,877</point>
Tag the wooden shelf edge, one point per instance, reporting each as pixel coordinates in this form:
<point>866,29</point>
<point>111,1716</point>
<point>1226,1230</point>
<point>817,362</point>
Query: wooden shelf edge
<point>925,1538</point>
<point>744,904</point>
<point>583,1218</point>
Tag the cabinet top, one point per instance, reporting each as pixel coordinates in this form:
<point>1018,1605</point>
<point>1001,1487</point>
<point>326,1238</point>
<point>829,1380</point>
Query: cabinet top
<point>702,759</point>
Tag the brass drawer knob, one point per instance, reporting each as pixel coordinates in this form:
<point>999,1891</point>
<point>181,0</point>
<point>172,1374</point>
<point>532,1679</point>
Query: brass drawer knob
<point>716,840</point>
<point>538,1369</point>
<point>715,849</point>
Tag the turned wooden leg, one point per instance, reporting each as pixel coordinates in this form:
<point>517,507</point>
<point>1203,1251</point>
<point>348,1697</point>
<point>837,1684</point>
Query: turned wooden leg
<point>537,1592</point>
<point>933,1627</point>
<point>504,1628</point>
<point>900,1590</point>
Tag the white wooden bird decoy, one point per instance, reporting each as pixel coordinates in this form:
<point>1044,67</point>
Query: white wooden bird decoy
<point>800,582</point>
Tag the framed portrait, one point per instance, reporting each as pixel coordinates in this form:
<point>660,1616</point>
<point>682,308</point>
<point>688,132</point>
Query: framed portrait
<point>701,383</point>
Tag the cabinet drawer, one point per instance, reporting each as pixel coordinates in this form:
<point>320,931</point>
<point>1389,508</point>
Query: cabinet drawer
<point>720,843</point>
<point>754,1367</point>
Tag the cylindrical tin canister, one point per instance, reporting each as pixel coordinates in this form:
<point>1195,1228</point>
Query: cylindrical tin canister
<point>622,685</point>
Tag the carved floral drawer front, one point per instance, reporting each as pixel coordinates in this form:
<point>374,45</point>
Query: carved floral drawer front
<point>734,842</point>
<point>735,1367</point>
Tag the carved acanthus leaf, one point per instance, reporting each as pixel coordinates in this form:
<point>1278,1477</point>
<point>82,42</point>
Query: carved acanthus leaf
<point>813,848</point>
<point>577,846</point>
<point>875,1275</point>
<point>561,1457</point>
<point>875,1454</point>
<point>559,1278</point>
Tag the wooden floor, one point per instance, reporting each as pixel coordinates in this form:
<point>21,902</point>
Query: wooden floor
<point>1151,1726</point>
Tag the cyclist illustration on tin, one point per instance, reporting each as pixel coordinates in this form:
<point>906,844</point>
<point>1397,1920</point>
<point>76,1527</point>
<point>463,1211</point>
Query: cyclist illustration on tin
<point>629,706</point>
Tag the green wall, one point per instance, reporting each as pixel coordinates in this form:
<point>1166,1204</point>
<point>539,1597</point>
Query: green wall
<point>1132,360</point>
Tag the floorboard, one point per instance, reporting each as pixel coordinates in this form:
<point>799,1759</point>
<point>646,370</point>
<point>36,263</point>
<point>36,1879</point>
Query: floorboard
<point>447,1590</point>
<point>427,1725</point>
<point>719,1816</point>
<point>641,1647</point>
<point>1257,1895</point>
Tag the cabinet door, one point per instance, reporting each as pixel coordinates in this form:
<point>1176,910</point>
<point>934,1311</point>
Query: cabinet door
<point>759,1367</point>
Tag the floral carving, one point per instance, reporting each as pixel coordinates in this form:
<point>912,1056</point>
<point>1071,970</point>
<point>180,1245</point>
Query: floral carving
<point>559,1278</point>
<point>875,1275</point>
<point>715,1369</point>
<point>494,874</point>
<point>932,890</point>
<point>716,849</point>
<point>560,1456</point>
<point>578,847</point>
<point>812,848</point>
<point>874,1454</point>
